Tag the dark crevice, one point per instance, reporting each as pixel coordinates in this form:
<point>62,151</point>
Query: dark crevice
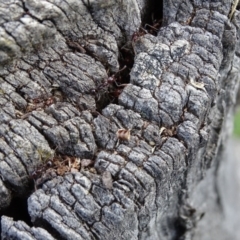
<point>27,12</point>
<point>152,21</point>
<point>109,92</point>
<point>96,235</point>
<point>46,226</point>
<point>184,213</point>
<point>180,229</point>
<point>220,155</point>
<point>18,210</point>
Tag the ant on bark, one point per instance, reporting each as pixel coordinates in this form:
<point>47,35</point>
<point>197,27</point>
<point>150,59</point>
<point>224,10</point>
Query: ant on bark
<point>110,86</point>
<point>154,28</point>
<point>150,29</point>
<point>40,170</point>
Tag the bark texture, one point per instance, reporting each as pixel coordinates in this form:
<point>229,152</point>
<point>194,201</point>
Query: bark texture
<point>55,58</point>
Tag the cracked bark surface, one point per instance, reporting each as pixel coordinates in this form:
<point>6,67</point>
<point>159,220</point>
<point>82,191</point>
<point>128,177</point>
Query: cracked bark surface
<point>177,105</point>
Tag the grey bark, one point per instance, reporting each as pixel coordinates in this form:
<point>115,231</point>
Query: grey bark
<point>177,105</point>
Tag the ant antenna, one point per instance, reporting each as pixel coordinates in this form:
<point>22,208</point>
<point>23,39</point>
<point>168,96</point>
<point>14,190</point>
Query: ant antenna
<point>121,69</point>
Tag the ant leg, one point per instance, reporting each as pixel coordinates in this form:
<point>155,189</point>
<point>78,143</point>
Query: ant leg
<point>121,85</point>
<point>155,29</point>
<point>35,185</point>
<point>125,47</point>
<point>122,69</point>
<point>143,29</point>
<point>119,71</point>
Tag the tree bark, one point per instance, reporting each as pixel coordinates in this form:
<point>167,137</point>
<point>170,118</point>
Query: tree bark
<point>148,160</point>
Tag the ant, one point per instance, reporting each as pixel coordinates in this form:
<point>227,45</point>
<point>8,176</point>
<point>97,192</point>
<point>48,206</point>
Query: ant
<point>40,102</point>
<point>111,81</point>
<point>151,29</point>
<point>42,173</point>
<point>38,172</point>
<point>76,46</point>
<point>154,28</point>
<point>136,35</point>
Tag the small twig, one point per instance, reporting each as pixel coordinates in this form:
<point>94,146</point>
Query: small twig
<point>233,9</point>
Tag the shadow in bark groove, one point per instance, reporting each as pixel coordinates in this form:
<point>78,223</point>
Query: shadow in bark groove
<point>151,23</point>
<point>153,20</point>
<point>45,225</point>
<point>18,210</point>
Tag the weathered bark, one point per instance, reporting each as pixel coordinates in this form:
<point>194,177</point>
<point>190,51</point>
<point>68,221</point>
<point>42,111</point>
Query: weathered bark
<point>177,105</point>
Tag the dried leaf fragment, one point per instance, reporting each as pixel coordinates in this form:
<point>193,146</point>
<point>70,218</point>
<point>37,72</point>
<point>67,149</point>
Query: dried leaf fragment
<point>161,130</point>
<point>145,124</point>
<point>151,143</point>
<point>233,9</point>
<point>164,132</point>
<point>74,163</point>
<point>198,85</point>
<point>153,149</point>
<point>62,170</point>
<point>123,134</point>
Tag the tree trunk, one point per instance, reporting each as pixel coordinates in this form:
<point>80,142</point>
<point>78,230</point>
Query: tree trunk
<point>112,128</point>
